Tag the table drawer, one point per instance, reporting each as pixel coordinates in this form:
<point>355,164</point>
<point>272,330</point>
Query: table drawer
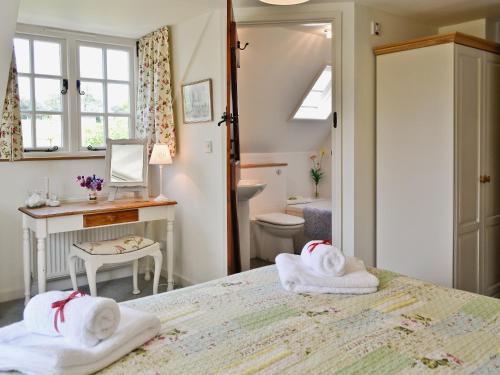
<point>120,217</point>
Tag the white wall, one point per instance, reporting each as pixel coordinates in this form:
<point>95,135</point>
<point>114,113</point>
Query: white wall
<point>394,29</point>
<point>197,180</point>
<point>485,28</point>
<point>18,179</point>
<point>277,70</point>
<point>8,19</point>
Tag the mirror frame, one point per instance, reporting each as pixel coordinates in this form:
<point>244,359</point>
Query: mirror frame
<point>109,155</point>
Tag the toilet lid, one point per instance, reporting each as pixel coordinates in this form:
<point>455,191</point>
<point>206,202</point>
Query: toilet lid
<point>280,219</point>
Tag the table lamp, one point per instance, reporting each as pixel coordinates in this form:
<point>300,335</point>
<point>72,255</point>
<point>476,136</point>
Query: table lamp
<point>161,156</point>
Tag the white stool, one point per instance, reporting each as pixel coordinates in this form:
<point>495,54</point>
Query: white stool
<point>125,249</point>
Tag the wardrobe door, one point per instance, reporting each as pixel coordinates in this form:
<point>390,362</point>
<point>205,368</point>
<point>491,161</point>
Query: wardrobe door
<point>468,75</point>
<point>491,169</point>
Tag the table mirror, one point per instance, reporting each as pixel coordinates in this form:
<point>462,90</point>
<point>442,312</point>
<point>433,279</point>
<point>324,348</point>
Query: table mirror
<point>127,167</point>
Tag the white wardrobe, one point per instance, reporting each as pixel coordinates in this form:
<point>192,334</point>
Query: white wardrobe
<point>438,161</point>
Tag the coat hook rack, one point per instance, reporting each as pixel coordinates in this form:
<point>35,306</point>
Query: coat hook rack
<point>244,48</point>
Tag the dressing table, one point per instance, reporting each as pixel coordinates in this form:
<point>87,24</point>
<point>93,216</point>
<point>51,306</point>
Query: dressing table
<point>75,216</point>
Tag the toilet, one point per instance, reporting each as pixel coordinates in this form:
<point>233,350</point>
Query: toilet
<point>275,233</point>
<point>272,230</point>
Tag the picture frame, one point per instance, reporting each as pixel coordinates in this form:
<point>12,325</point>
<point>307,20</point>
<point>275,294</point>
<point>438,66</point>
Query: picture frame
<point>197,102</point>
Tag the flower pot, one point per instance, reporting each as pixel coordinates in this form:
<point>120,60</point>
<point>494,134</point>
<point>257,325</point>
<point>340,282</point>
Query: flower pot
<point>92,197</point>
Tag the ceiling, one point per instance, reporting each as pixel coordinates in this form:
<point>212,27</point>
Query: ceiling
<point>134,18</point>
<point>435,12</point>
<point>126,18</point>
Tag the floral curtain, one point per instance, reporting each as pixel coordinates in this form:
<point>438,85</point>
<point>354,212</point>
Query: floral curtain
<point>155,116</point>
<point>11,139</point>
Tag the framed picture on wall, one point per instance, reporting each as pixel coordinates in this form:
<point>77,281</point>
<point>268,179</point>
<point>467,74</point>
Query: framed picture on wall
<point>197,102</point>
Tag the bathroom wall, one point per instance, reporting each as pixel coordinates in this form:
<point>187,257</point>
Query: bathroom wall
<point>277,70</point>
<point>298,171</point>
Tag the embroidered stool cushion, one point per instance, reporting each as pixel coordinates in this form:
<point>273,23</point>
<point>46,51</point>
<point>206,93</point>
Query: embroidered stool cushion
<point>121,245</point>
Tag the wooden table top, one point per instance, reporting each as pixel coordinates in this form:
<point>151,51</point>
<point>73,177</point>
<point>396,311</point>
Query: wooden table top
<point>83,207</point>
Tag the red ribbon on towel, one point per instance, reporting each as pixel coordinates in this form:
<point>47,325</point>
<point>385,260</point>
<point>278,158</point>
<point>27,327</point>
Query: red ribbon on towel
<point>59,305</point>
<point>315,244</point>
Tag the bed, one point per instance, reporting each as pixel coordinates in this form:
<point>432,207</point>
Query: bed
<point>246,324</point>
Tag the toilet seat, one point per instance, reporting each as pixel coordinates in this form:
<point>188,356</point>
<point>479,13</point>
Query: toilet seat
<point>280,219</point>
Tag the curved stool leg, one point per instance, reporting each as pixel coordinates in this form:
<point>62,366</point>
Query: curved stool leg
<point>135,277</point>
<point>158,257</point>
<point>72,270</point>
<point>91,269</point>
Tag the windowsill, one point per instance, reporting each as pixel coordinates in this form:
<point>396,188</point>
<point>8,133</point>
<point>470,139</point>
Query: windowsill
<point>46,156</point>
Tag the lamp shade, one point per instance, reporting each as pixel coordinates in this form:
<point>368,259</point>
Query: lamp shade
<point>160,155</point>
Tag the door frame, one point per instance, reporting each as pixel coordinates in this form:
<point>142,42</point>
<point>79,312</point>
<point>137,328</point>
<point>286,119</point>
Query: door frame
<point>335,18</point>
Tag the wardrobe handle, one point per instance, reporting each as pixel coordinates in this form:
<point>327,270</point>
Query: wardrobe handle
<point>485,179</point>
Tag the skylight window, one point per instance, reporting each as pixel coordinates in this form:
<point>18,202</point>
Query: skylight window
<point>317,104</point>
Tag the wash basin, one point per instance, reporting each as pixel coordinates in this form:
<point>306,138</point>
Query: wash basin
<point>247,189</point>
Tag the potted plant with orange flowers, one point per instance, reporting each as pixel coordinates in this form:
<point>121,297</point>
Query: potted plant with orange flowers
<point>317,173</point>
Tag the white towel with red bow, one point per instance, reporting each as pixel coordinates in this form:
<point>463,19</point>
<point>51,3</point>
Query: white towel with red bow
<point>323,258</point>
<point>31,353</point>
<point>296,277</point>
<point>83,319</point>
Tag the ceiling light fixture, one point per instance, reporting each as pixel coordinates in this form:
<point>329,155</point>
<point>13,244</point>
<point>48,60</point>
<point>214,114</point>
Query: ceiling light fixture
<point>284,2</point>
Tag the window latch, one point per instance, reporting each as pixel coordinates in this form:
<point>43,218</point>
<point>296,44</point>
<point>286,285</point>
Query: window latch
<point>78,88</point>
<point>65,86</point>
<point>335,120</point>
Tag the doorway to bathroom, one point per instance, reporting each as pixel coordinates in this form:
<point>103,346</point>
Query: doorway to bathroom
<point>288,92</point>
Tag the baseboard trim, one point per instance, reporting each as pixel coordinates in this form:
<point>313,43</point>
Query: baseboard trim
<point>65,283</point>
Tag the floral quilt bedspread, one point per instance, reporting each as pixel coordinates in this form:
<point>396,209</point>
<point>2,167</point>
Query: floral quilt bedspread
<point>247,324</point>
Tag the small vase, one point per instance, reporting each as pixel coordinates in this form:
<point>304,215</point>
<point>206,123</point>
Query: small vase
<point>92,197</point>
<point>316,192</point>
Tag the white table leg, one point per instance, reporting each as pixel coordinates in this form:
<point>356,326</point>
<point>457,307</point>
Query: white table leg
<point>26,264</point>
<point>41,262</point>
<point>170,254</point>
<point>147,260</point>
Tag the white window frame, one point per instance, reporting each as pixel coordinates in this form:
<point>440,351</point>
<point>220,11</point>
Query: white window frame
<point>308,91</point>
<point>64,98</point>
<point>106,114</point>
<point>71,101</point>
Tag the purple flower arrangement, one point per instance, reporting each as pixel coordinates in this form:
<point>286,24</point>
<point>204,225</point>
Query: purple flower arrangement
<point>92,183</point>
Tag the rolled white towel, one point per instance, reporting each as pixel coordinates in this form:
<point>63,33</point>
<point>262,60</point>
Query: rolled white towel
<point>323,258</point>
<point>85,320</point>
<point>296,277</point>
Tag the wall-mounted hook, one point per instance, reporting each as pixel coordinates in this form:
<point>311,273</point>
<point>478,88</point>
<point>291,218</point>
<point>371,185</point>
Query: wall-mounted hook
<point>78,88</point>
<point>239,46</point>
<point>64,90</point>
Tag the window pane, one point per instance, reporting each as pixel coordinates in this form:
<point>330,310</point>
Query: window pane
<point>48,94</point>
<point>48,130</point>
<point>24,93</point>
<point>91,62</point>
<point>118,128</point>
<point>92,101</point>
<point>118,98</point>
<point>26,128</point>
<point>92,131</point>
<point>47,57</point>
<point>22,48</point>
<point>118,65</point>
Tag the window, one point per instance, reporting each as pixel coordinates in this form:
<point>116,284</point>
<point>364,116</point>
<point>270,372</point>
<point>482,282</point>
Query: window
<point>105,94</point>
<point>41,66</point>
<point>317,104</point>
<point>76,90</point>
